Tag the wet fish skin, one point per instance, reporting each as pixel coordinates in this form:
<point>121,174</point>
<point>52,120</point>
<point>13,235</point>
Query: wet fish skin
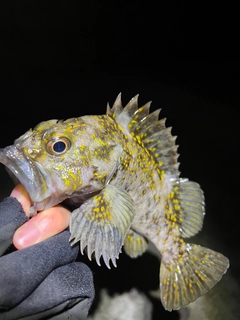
<point>120,170</point>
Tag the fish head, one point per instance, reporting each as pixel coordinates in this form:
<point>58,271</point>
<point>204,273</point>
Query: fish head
<point>51,162</point>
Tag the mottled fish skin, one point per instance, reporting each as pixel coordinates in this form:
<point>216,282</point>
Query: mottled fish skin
<point>120,171</point>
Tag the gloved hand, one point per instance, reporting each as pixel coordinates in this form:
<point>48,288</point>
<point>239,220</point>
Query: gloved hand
<point>43,281</point>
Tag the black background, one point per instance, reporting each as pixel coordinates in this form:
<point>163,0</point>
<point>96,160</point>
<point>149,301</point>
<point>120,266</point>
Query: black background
<point>60,59</point>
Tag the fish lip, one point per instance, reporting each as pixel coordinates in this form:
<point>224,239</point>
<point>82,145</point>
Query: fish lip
<point>24,170</point>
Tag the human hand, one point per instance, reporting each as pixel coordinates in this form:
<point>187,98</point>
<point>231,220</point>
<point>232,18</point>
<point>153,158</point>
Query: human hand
<point>44,280</point>
<point>42,226</point>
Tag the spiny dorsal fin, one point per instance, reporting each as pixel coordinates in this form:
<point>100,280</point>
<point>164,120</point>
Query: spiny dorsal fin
<point>120,114</point>
<point>152,131</point>
<point>117,107</point>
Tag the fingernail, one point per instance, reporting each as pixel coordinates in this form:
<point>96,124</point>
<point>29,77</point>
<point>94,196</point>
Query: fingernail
<point>26,235</point>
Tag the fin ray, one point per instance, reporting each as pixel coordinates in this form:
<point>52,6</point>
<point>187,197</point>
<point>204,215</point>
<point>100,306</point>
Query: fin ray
<point>150,129</point>
<point>148,121</point>
<point>182,282</point>
<point>139,117</point>
<point>106,216</point>
<point>186,201</point>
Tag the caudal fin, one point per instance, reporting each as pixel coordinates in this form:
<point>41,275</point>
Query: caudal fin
<point>190,276</point>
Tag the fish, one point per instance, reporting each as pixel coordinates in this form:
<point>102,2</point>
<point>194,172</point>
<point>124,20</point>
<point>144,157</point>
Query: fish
<point>120,173</point>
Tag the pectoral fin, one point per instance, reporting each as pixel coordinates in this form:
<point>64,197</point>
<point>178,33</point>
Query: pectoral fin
<point>101,223</point>
<point>135,244</point>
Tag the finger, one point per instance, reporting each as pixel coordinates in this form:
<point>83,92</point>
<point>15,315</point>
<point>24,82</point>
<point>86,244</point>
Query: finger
<point>22,196</point>
<point>42,226</point>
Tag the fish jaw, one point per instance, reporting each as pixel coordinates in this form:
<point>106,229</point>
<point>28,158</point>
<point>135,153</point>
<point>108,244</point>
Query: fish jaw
<point>31,175</point>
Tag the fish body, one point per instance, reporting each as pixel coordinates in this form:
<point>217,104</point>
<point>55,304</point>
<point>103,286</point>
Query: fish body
<point>120,171</point>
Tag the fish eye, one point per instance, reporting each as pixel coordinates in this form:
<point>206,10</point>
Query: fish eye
<point>58,146</point>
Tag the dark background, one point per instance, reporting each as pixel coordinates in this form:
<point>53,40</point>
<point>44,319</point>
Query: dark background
<point>60,59</point>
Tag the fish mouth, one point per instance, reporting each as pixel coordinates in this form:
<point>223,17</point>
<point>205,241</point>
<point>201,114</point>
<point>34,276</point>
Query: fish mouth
<point>30,174</point>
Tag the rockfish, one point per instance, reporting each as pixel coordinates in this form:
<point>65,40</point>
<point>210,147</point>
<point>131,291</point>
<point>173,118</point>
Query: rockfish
<point>120,173</point>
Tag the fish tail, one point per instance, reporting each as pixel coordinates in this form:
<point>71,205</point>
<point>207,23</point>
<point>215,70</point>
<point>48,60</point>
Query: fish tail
<point>190,275</point>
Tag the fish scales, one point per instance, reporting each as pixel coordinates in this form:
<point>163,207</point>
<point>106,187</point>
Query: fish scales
<point>120,171</point>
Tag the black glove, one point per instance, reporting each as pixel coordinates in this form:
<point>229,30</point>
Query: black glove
<point>42,281</point>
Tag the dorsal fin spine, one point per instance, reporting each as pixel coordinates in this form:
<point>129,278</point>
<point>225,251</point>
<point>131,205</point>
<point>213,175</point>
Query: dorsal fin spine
<point>149,131</point>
